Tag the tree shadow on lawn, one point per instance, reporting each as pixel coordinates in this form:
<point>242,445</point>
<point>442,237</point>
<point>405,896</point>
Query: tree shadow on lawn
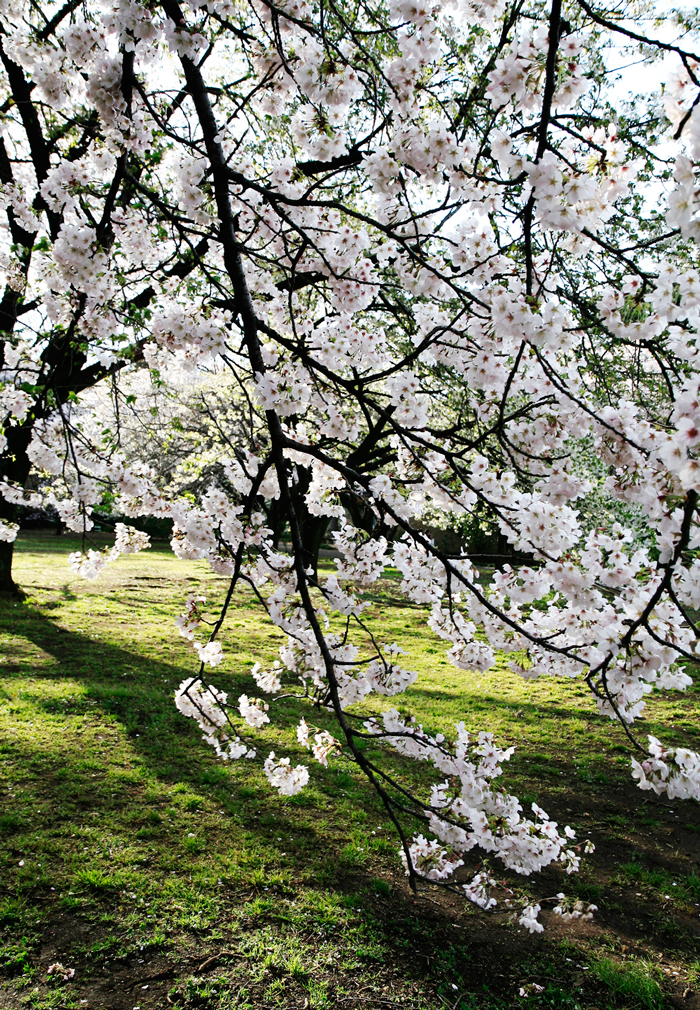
<point>114,676</point>
<point>171,747</point>
<point>91,819</point>
<point>158,818</point>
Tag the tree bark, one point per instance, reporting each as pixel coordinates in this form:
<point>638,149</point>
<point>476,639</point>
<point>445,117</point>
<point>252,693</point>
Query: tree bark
<point>312,528</point>
<point>7,583</point>
<point>14,467</point>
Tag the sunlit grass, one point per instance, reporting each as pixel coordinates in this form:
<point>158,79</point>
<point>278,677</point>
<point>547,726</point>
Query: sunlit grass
<point>113,809</point>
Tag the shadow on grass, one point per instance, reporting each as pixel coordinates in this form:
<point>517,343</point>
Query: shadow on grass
<point>124,687</point>
<point>137,692</point>
<point>180,818</point>
<point>118,848</point>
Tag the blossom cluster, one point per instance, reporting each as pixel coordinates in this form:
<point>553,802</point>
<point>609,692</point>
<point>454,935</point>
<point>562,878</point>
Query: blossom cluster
<point>91,564</point>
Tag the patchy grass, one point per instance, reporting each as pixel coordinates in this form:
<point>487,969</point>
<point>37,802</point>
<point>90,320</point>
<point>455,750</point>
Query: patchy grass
<point>634,984</point>
<point>163,877</point>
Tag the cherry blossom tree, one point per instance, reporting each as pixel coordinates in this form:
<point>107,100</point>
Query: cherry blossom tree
<point>64,322</point>
<point>177,422</point>
<point>444,263</point>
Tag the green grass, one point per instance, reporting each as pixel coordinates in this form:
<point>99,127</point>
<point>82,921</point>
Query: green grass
<point>128,852</point>
<point>662,884</point>
<point>633,985</point>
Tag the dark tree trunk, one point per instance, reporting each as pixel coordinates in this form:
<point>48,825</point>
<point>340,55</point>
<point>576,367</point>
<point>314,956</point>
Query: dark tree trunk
<point>312,528</point>
<point>276,519</point>
<point>14,467</point>
<point>7,584</point>
<point>361,516</point>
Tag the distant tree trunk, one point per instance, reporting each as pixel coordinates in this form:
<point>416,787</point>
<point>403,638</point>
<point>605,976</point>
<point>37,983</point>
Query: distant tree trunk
<point>276,520</point>
<point>14,467</point>
<point>312,528</point>
<point>7,584</point>
<point>361,516</point>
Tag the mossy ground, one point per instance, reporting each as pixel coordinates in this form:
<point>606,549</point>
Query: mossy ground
<point>166,878</point>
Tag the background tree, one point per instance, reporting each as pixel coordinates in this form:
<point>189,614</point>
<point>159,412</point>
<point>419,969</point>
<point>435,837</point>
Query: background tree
<point>195,428</point>
<point>56,347</point>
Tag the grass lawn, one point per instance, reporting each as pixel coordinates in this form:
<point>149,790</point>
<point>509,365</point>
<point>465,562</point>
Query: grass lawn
<point>163,877</point>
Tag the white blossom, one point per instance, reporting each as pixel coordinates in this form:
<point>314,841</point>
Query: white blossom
<point>281,776</point>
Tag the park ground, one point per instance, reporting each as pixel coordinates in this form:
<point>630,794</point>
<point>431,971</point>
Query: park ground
<point>162,877</point>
